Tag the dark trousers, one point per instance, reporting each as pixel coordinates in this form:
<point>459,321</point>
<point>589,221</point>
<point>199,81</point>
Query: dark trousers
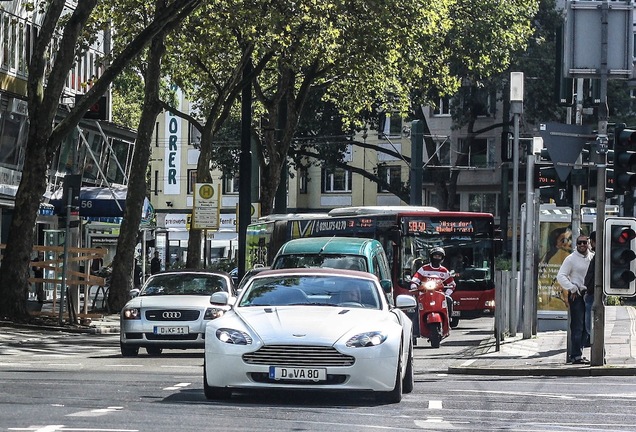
<point>577,326</point>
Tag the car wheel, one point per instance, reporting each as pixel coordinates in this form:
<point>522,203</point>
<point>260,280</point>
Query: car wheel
<point>408,381</point>
<point>395,395</point>
<point>454,322</point>
<point>154,351</point>
<point>214,393</point>
<point>128,351</point>
<point>435,332</point>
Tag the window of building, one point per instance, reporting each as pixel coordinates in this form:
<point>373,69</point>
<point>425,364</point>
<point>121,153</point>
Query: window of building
<point>483,202</point>
<point>390,125</point>
<point>390,174</point>
<point>480,152</point>
<point>194,136</point>
<point>443,107</point>
<point>192,179</point>
<point>303,178</point>
<point>231,184</point>
<point>9,141</point>
<point>336,180</point>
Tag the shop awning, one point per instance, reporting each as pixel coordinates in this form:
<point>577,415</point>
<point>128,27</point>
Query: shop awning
<point>96,201</point>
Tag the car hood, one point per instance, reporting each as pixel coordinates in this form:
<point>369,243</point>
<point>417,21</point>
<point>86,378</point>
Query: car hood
<point>311,323</point>
<point>170,301</point>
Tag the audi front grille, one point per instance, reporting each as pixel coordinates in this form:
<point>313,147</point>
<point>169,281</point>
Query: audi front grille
<point>172,315</point>
<point>298,355</point>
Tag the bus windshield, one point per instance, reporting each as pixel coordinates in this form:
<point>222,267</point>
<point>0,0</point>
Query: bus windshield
<point>467,243</point>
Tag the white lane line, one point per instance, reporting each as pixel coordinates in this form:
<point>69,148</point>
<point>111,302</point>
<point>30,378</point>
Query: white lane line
<point>468,362</point>
<point>177,386</point>
<point>95,412</point>
<point>435,404</point>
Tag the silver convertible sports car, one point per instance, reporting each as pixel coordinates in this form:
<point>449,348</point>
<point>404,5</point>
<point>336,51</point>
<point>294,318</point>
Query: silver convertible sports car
<point>171,311</point>
<point>312,329</point>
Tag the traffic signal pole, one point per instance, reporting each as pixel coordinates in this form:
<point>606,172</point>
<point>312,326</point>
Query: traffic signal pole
<point>598,309</point>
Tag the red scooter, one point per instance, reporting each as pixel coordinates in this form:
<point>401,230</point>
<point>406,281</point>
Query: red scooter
<point>432,313</point>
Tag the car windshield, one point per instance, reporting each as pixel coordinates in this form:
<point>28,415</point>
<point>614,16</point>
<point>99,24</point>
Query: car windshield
<point>337,261</point>
<point>184,284</point>
<point>312,290</point>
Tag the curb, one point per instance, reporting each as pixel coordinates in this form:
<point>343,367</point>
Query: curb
<point>583,371</point>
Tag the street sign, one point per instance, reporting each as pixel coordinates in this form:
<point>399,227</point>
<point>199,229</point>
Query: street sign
<point>564,143</point>
<point>583,39</point>
<point>206,207</point>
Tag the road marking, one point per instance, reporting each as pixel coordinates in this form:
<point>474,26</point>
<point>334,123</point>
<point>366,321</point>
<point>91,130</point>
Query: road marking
<point>468,362</point>
<point>177,386</point>
<point>435,404</point>
<point>61,428</point>
<point>548,395</point>
<point>95,412</point>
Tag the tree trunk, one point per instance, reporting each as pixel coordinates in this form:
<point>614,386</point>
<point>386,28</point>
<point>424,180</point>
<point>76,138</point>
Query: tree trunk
<point>17,255</point>
<point>124,260</point>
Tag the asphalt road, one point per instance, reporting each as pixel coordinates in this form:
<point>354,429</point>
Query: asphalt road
<point>55,381</point>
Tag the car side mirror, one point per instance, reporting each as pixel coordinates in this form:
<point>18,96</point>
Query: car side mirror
<point>386,285</point>
<point>220,297</point>
<point>134,292</point>
<point>404,301</point>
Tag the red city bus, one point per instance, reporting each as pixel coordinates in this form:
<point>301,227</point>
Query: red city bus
<point>407,234</point>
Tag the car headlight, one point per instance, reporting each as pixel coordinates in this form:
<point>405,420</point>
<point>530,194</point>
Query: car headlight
<point>232,336</point>
<point>213,313</point>
<point>490,303</point>
<point>366,339</point>
<point>131,313</point>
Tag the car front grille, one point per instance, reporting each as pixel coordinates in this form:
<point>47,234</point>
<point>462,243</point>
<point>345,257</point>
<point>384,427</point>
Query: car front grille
<point>172,315</point>
<point>298,355</point>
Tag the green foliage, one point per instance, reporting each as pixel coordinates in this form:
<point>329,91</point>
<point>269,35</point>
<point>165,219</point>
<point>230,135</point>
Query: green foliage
<point>128,97</point>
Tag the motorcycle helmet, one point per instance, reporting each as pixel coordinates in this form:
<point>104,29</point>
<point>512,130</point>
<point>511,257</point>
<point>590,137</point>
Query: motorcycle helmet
<point>437,250</point>
<point>435,262</point>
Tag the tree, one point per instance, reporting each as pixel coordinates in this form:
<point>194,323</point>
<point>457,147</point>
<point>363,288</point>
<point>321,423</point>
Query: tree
<point>478,52</point>
<point>44,90</point>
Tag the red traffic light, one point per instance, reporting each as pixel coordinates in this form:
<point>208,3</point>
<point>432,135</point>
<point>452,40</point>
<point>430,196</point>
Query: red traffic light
<point>623,235</point>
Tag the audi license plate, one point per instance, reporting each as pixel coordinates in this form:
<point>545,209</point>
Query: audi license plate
<point>297,374</point>
<point>164,330</point>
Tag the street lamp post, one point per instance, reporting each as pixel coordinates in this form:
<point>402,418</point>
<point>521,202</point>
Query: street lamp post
<point>516,107</point>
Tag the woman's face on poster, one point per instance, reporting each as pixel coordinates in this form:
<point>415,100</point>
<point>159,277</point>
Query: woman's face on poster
<point>564,240</point>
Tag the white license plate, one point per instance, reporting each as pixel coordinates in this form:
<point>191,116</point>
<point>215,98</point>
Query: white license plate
<point>455,313</point>
<point>298,374</point>
<point>163,330</point>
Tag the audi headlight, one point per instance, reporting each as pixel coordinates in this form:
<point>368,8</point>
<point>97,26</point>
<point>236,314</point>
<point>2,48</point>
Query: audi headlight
<point>366,339</point>
<point>213,313</point>
<point>131,313</point>
<point>232,336</point>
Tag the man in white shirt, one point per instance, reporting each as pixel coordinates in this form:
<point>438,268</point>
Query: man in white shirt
<point>571,277</point>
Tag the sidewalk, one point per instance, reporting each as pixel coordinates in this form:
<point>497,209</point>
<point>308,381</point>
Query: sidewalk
<point>545,353</point>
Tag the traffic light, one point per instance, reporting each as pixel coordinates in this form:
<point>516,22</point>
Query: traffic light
<point>619,260</point>
<point>624,159</point>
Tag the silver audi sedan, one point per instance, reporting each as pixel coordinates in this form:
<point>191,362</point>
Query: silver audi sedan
<point>171,311</point>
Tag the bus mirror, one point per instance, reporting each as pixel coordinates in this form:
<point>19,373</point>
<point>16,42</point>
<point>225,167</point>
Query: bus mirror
<point>386,285</point>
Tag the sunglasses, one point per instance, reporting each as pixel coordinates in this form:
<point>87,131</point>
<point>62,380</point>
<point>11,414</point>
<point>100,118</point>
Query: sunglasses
<point>581,242</point>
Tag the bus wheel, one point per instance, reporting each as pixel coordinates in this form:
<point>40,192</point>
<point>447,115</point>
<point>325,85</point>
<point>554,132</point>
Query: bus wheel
<point>454,322</point>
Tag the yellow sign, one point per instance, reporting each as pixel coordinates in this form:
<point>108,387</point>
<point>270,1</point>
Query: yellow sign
<point>206,191</point>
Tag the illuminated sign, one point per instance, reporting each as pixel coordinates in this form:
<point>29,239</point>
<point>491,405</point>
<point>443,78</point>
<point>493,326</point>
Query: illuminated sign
<point>446,226</point>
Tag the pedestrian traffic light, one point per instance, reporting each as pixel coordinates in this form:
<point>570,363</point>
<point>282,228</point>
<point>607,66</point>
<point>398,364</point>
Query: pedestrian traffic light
<point>624,159</point>
<point>619,260</point>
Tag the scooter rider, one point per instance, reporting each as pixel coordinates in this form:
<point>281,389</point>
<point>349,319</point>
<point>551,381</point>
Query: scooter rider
<point>435,268</point>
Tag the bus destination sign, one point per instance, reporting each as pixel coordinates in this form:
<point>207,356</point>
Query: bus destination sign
<point>448,226</point>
